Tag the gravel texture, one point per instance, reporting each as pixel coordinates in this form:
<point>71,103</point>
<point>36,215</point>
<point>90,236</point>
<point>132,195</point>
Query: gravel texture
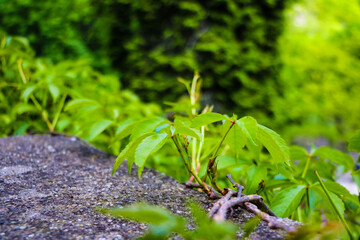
<point>50,187</point>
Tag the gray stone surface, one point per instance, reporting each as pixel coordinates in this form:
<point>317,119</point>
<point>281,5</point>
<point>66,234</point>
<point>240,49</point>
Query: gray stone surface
<point>51,186</point>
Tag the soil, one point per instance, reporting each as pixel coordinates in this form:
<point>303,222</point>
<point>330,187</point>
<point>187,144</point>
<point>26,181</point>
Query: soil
<point>50,187</point>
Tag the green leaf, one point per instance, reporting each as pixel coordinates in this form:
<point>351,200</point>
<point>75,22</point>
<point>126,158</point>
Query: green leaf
<point>236,139</point>
<point>148,146</point>
<point>287,200</point>
<point>354,142</point>
<point>146,125</point>
<point>255,175</point>
<point>124,129</point>
<point>143,213</point>
<point>128,153</point>
<point>77,103</point>
<point>337,201</point>
<point>207,118</point>
<point>335,156</point>
<point>224,162</point>
<point>249,126</point>
<point>298,153</point>
<point>189,131</point>
<point>27,92</point>
<point>339,190</point>
<point>276,146</point>
<point>250,226</point>
<point>54,91</point>
<point>98,128</point>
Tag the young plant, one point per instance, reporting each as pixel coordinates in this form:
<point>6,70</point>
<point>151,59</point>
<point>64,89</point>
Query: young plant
<point>147,136</point>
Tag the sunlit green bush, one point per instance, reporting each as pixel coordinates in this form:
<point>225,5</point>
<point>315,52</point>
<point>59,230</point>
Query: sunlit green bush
<point>69,96</point>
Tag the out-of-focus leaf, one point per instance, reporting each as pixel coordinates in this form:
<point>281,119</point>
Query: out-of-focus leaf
<point>98,128</point>
<point>298,153</point>
<point>335,156</point>
<point>337,201</point>
<point>27,92</point>
<point>189,131</point>
<point>55,92</point>
<point>207,118</point>
<point>143,213</point>
<point>250,226</point>
<point>146,125</point>
<point>77,103</point>
<point>354,142</point>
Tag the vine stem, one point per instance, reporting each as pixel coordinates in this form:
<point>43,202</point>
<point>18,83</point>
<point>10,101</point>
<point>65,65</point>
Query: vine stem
<point>36,103</point>
<point>213,158</point>
<point>306,166</point>
<point>334,206</point>
<point>185,159</point>
<point>61,105</point>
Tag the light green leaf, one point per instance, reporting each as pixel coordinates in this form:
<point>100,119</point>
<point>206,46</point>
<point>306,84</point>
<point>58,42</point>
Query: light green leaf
<point>337,201</point>
<point>339,190</point>
<point>255,175</point>
<point>298,153</point>
<point>98,128</point>
<point>54,91</point>
<point>335,156</point>
<point>128,153</point>
<point>224,161</point>
<point>77,103</point>
<point>236,139</point>
<point>276,146</point>
<point>189,131</point>
<point>354,142</point>
<point>124,129</point>
<point>143,213</point>
<point>207,118</point>
<point>146,125</point>
<point>249,126</point>
<point>28,91</point>
<point>149,145</point>
<point>286,201</point>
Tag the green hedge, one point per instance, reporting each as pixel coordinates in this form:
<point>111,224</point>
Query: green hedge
<point>151,43</point>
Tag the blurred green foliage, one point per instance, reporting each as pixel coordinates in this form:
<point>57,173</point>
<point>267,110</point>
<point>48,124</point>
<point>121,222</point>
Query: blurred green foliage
<point>151,43</point>
<point>320,74</point>
<point>69,96</point>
